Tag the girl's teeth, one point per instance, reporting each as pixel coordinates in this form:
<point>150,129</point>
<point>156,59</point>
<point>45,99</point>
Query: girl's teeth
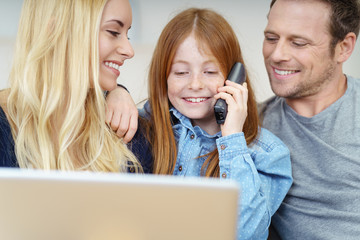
<point>195,100</point>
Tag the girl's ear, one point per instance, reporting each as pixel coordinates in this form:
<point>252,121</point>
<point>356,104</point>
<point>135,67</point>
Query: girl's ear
<point>344,49</point>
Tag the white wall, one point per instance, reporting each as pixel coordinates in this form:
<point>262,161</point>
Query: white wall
<point>9,16</point>
<point>248,19</point>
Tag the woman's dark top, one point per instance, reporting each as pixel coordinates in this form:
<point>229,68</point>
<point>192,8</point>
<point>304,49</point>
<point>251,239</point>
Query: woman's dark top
<point>7,153</point>
<point>139,146</point>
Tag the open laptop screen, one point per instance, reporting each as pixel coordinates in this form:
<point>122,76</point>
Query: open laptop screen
<point>93,206</point>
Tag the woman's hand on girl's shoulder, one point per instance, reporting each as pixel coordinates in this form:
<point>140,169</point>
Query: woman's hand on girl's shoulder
<point>121,114</point>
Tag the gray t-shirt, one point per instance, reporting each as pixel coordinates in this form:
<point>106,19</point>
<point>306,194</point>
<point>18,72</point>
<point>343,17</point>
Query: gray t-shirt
<point>324,200</point>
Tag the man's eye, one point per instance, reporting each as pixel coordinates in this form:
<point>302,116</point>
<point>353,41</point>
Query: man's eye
<point>270,39</point>
<point>299,44</point>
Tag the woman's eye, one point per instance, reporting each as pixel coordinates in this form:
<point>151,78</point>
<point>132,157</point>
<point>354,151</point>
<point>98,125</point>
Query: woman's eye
<point>211,72</point>
<point>114,33</point>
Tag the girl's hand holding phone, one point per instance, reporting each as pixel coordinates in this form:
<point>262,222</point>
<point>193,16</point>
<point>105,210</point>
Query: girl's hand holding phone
<point>236,97</point>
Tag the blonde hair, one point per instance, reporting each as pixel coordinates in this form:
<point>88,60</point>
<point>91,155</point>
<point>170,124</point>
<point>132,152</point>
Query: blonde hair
<point>56,106</point>
<point>213,32</point>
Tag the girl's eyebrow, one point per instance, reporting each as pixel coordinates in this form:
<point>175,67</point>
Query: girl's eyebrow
<point>179,61</point>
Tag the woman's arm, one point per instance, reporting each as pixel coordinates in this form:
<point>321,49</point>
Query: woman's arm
<point>121,113</point>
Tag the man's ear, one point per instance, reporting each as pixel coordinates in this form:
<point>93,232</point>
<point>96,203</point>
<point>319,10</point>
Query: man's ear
<point>345,47</point>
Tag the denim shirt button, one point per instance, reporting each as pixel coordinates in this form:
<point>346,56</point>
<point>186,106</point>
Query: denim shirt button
<point>180,168</point>
<point>192,136</point>
<point>224,175</point>
<point>222,147</point>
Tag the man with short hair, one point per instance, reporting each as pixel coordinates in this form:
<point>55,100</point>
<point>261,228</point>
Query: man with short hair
<point>316,113</point>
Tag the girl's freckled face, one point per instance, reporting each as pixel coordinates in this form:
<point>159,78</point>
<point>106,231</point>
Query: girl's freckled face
<point>194,79</point>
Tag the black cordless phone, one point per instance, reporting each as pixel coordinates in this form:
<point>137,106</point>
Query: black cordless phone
<point>238,75</point>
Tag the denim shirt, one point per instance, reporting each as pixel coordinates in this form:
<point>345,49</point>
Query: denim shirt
<point>262,169</point>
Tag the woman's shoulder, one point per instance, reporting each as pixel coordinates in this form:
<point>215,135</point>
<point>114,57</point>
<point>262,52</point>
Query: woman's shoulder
<point>7,154</point>
<point>4,93</point>
<point>4,123</point>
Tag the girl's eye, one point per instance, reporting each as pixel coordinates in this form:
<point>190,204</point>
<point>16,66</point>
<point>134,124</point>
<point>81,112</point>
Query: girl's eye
<point>211,72</point>
<point>181,73</point>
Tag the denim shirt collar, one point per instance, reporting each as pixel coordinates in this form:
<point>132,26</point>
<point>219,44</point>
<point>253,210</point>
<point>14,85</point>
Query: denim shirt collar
<point>179,119</point>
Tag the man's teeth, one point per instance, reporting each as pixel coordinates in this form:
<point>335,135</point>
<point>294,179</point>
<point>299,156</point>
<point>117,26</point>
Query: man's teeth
<point>113,65</point>
<point>195,100</point>
<point>282,72</point>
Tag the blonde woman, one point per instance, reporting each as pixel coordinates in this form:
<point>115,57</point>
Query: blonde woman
<point>67,54</point>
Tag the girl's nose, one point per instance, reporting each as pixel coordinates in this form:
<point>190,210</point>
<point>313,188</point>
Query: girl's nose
<point>196,82</point>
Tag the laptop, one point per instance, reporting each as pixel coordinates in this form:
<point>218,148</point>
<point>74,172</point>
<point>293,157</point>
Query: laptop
<point>53,205</point>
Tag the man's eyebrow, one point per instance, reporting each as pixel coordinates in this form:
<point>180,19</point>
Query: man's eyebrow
<point>268,31</point>
<point>291,36</point>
